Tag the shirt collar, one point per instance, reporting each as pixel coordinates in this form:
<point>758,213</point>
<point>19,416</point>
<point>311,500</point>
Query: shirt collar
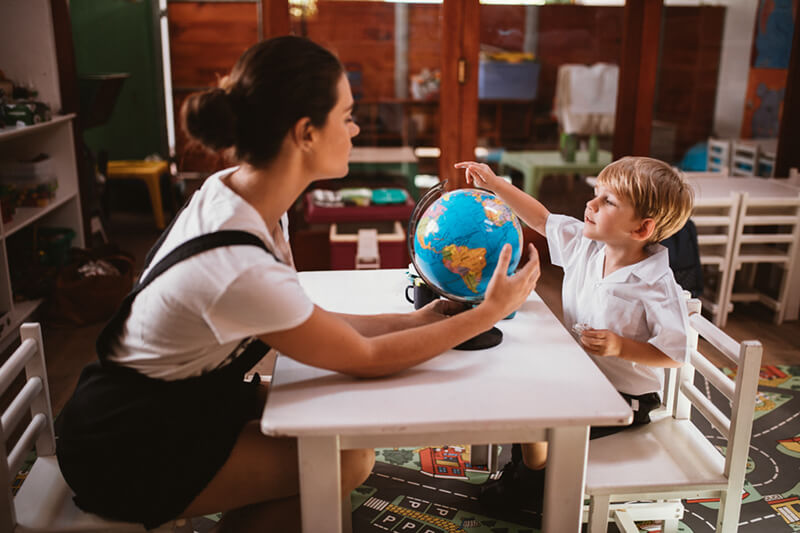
<point>649,269</point>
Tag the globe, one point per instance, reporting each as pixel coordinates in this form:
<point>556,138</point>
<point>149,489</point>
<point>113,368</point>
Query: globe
<point>457,240</point>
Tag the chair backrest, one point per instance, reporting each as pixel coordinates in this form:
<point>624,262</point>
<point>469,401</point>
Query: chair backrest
<point>719,156</point>
<point>794,177</point>
<point>766,165</point>
<point>744,159</point>
<point>716,221</point>
<point>33,398</point>
<point>736,428</point>
<point>767,229</point>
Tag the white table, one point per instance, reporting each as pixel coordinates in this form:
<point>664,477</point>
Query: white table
<point>537,384</point>
<point>706,187</point>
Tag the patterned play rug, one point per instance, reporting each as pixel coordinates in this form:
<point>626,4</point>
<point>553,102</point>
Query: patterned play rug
<point>435,490</point>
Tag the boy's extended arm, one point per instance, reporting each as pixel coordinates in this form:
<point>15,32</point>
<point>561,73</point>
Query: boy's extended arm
<point>528,208</point>
<point>607,343</point>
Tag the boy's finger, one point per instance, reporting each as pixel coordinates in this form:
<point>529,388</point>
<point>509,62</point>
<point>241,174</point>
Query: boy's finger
<point>465,164</point>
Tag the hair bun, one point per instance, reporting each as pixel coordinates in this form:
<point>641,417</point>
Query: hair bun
<point>209,117</point>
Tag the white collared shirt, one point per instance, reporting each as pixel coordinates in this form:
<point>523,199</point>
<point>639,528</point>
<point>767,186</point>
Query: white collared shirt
<point>642,302</point>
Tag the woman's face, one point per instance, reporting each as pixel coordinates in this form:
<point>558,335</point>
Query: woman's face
<point>334,142</point>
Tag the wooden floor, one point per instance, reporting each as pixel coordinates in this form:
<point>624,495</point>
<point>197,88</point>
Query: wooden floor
<point>69,349</point>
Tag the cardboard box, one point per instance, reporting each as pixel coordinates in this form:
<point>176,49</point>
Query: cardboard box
<point>498,80</point>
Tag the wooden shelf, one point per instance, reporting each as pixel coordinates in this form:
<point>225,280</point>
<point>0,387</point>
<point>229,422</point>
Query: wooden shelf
<point>11,132</point>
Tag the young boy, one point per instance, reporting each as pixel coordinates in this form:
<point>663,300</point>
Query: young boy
<point>619,295</point>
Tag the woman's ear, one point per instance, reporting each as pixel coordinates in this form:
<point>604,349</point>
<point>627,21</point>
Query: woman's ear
<point>646,228</point>
<point>302,133</point>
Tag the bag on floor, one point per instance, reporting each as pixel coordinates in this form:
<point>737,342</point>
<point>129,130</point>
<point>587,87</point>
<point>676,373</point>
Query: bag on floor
<point>90,287</point>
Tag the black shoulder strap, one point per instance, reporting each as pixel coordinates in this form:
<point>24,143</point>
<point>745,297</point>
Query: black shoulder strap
<point>190,248</point>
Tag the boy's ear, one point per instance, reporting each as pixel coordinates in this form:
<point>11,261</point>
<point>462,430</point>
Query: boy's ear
<point>302,133</point>
<point>646,228</point>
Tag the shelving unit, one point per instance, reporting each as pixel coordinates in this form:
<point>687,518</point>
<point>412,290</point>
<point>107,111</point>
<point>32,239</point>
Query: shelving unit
<point>28,56</point>
<point>405,122</point>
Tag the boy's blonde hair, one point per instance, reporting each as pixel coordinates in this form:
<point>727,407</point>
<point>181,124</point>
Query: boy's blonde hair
<point>654,188</point>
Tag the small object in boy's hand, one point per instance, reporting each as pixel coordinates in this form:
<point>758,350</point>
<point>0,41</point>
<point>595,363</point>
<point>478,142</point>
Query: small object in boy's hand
<point>579,328</point>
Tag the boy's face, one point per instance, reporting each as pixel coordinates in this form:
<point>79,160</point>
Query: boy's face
<point>610,218</point>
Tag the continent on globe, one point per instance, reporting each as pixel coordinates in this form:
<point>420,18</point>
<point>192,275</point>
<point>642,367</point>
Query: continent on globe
<point>466,262</point>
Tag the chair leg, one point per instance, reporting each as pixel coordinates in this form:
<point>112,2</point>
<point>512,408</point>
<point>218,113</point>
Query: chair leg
<point>154,189</point>
<point>728,513</point>
<point>671,525</point>
<point>624,521</point>
<point>598,514</point>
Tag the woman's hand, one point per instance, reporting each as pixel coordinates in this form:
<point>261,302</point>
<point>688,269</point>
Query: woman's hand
<point>601,342</point>
<point>480,175</point>
<point>507,293</point>
<point>440,309</point>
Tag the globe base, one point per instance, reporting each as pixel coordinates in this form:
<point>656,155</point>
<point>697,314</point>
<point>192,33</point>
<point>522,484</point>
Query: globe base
<point>481,341</point>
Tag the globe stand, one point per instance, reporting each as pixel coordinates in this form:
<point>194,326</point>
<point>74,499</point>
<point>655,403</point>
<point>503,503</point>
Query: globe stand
<point>481,341</point>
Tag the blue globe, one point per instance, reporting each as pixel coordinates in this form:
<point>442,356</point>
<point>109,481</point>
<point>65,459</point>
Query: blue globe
<point>458,239</point>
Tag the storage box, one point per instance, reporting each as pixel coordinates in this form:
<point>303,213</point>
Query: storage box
<point>498,80</point>
<point>53,245</point>
<point>40,166</point>
<point>392,248</point>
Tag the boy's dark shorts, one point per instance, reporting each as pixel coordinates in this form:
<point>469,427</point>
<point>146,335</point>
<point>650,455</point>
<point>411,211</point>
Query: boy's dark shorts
<point>641,404</point>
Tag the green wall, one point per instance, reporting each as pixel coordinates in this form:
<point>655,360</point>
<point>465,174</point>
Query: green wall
<point>113,36</point>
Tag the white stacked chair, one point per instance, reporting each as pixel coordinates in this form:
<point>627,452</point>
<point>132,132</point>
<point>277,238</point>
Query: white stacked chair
<point>744,159</point>
<point>767,232</point>
<point>44,502</point>
<point>719,156</point>
<point>643,473</point>
<point>716,222</point>
<point>766,165</point>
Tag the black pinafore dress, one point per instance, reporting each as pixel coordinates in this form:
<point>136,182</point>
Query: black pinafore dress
<point>140,449</point>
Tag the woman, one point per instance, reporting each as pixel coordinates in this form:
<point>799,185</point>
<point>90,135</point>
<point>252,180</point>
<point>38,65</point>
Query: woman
<point>164,426</point>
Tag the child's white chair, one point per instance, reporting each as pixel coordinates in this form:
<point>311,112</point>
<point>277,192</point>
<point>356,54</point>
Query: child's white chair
<point>719,156</point>
<point>716,223</point>
<point>671,458</point>
<point>744,159</point>
<point>44,502</point>
<point>766,164</point>
<point>767,231</point>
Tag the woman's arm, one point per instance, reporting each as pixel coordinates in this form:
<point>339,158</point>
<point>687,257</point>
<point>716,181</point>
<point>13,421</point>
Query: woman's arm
<point>372,346</point>
<point>372,325</point>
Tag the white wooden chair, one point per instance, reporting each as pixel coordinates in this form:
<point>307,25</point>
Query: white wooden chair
<point>767,232</point>
<point>766,164</point>
<point>719,156</point>
<point>744,159</point>
<point>44,501</point>
<point>671,458</point>
<point>716,222</point>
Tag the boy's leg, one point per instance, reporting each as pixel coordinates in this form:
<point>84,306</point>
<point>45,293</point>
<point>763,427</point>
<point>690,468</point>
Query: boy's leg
<point>534,455</point>
<point>518,486</point>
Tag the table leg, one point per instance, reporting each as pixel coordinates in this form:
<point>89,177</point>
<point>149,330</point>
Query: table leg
<point>565,478</point>
<point>320,484</point>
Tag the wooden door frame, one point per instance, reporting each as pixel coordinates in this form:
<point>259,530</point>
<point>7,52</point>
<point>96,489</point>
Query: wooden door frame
<point>637,77</point>
<point>275,18</point>
<point>788,152</point>
<point>458,93</point>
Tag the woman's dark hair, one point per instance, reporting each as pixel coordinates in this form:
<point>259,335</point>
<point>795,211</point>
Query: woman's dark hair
<point>274,84</point>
